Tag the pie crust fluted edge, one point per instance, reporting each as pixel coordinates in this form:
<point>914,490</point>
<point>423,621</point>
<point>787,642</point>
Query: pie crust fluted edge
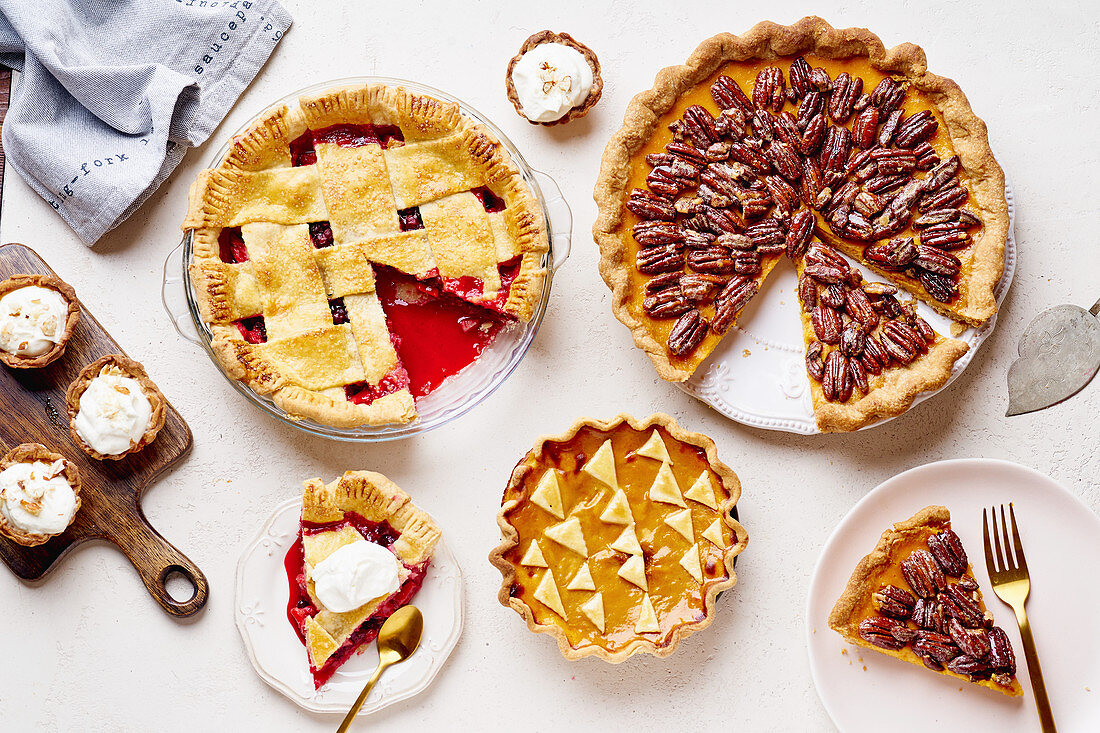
<point>511,539</point>
<point>765,40</point>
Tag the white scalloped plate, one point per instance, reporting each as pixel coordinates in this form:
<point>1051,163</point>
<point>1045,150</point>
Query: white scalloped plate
<point>279,656</point>
<point>863,690</point>
<point>762,381</point>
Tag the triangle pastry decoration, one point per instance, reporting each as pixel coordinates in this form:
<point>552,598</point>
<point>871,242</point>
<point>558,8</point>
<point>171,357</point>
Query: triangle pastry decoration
<point>633,570</point>
<point>628,542</point>
<point>593,609</point>
<point>714,533</point>
<point>548,494</point>
<point>533,557</point>
<point>582,580</point>
<point>602,465</point>
<point>617,510</point>
<point>547,594</point>
<point>655,448</point>
<point>690,563</point>
<point>665,489</point>
<point>702,491</point>
<point>681,522</point>
<point>647,620</point>
<point>569,534</point>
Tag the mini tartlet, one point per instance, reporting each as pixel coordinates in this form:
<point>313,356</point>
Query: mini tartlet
<point>39,494</point>
<point>101,423</point>
<point>618,536</point>
<point>583,105</point>
<point>38,324</point>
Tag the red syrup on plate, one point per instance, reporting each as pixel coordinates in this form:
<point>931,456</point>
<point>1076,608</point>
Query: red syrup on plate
<point>300,607</point>
<point>437,334</point>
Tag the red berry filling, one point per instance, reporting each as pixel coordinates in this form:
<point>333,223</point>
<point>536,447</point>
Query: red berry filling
<point>301,150</point>
<point>231,247</point>
<point>320,233</point>
<point>347,136</point>
<point>300,607</point>
<point>253,329</point>
<point>339,311</point>
<point>488,199</point>
<point>410,219</point>
<point>390,135</point>
<point>364,393</point>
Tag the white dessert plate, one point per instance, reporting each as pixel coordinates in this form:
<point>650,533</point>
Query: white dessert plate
<point>863,690</point>
<point>761,380</point>
<point>260,609</point>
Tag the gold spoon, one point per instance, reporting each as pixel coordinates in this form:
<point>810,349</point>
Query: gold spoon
<point>397,640</point>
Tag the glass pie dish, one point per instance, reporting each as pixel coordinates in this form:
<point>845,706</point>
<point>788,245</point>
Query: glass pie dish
<point>459,393</point>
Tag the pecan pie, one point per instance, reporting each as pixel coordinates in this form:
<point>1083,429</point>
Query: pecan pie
<point>760,143</point>
<point>867,354</point>
<point>355,248</point>
<point>360,535</point>
<point>618,536</point>
<point>915,598</point>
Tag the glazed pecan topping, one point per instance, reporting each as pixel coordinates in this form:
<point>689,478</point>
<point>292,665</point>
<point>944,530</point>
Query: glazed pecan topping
<point>741,181</point>
<point>895,602</point>
<point>922,573</point>
<point>948,550</point>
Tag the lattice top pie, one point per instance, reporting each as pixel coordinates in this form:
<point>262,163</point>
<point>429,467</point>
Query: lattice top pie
<point>618,536</point>
<point>328,210</point>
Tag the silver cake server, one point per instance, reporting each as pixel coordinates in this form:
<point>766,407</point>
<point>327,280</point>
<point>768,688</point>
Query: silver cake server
<point>1059,355</point>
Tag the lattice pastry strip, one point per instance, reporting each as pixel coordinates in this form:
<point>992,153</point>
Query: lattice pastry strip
<point>462,239</point>
<point>429,171</point>
<point>292,291</point>
<point>358,198</point>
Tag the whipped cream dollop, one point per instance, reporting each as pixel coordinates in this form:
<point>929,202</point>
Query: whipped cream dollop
<point>114,412</point>
<point>550,80</point>
<point>36,497</point>
<point>32,320</point>
<point>355,575</point>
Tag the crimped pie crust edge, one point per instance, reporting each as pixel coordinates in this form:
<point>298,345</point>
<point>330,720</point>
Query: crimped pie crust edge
<point>511,539</point>
<point>767,40</point>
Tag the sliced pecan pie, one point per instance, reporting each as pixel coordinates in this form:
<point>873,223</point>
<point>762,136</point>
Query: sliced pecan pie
<point>360,506</point>
<point>764,140</point>
<point>356,247</point>
<point>867,354</point>
<point>618,536</point>
<point>915,598</point>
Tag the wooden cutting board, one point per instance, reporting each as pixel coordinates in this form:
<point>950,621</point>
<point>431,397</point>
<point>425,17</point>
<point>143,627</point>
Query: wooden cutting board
<point>32,402</point>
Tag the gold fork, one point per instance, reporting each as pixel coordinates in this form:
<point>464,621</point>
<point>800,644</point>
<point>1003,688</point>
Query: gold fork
<point>1012,583</point>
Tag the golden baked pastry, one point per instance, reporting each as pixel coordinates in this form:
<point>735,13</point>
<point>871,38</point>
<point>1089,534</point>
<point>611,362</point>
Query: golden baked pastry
<point>764,141</point>
<point>618,536</point>
<point>340,229</point>
<point>915,598</point>
<point>114,408</point>
<point>552,79</point>
<point>39,494</point>
<point>358,506</point>
<point>34,325</point>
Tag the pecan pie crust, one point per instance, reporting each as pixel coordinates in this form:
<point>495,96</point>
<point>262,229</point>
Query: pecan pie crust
<point>29,453</point>
<point>733,536</point>
<point>768,41</point>
<point>442,157</point>
<point>566,40</point>
<point>15,282</point>
<point>851,608</point>
<point>131,369</point>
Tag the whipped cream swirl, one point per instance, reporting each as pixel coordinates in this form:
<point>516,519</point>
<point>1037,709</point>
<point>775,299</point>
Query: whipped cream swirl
<point>355,575</point>
<point>32,320</point>
<point>114,413</point>
<point>550,80</point>
<point>36,497</point>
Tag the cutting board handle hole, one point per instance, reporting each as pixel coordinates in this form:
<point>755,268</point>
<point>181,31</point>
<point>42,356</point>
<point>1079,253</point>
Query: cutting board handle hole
<point>178,584</point>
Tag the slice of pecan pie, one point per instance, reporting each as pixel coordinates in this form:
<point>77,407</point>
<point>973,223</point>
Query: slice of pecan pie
<point>915,598</point>
<point>767,138</point>
<point>868,355</point>
<point>329,561</point>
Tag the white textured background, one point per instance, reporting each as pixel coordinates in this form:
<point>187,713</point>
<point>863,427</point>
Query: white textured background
<point>89,650</point>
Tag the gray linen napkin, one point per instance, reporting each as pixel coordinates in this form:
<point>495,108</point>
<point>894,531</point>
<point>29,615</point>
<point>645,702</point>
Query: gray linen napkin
<point>113,92</point>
